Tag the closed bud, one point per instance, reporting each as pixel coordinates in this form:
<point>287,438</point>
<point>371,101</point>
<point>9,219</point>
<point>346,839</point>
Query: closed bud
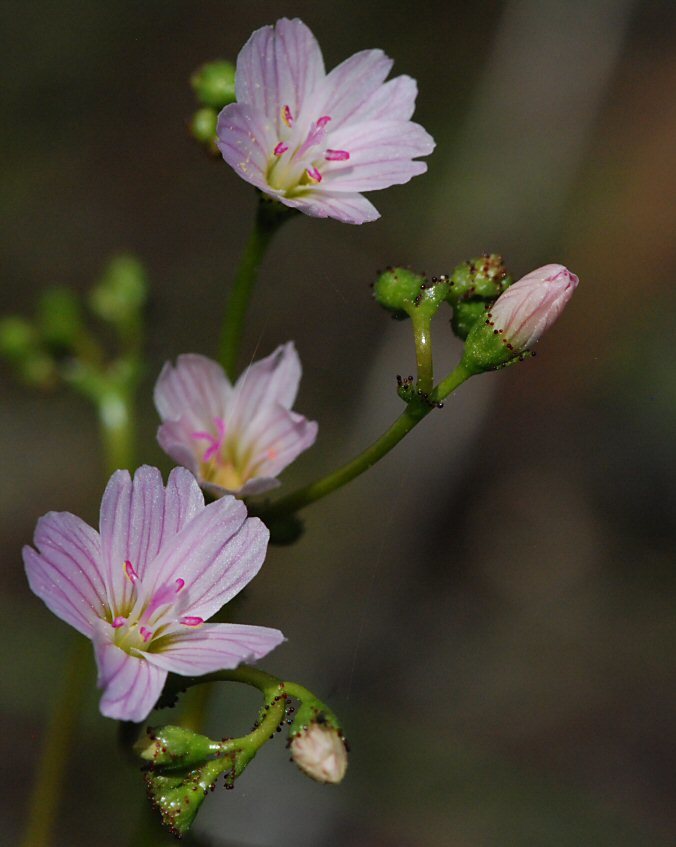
<point>518,318</point>
<point>472,285</point>
<point>175,746</point>
<point>320,752</point>
<point>203,127</point>
<point>401,291</point>
<point>120,294</point>
<point>214,84</point>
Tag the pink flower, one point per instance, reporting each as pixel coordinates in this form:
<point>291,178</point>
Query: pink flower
<point>143,586</point>
<point>239,438</point>
<point>315,140</point>
<point>526,310</point>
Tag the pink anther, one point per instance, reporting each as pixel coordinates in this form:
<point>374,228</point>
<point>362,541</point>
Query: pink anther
<point>336,155</point>
<point>118,622</point>
<point>131,573</point>
<point>191,620</point>
<point>215,441</point>
<point>321,122</point>
<point>180,583</point>
<point>314,174</point>
<point>287,117</point>
<point>280,149</point>
<point>145,634</point>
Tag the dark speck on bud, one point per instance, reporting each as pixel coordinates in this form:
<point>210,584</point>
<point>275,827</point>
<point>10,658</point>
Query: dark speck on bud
<point>474,285</point>
<point>214,84</point>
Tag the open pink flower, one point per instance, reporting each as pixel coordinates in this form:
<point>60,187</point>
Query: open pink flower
<point>315,140</point>
<point>526,310</point>
<point>143,586</point>
<point>239,438</point>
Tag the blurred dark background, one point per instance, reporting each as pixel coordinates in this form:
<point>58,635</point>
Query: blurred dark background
<point>491,609</point>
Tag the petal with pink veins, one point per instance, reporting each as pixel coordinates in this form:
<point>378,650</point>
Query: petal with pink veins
<point>350,208</point>
<point>381,154</point>
<point>66,572</point>
<point>279,66</point>
<point>131,685</point>
<point>217,554</point>
<point>266,383</point>
<point>196,388</point>
<point>212,647</point>
<point>350,85</point>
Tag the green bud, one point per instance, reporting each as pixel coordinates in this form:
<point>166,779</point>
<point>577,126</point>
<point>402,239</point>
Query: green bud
<point>178,797</point>
<point>401,291</point>
<point>214,84</point>
<point>18,339</point>
<point>175,746</point>
<point>473,285</point>
<point>465,314</point>
<point>484,278</point>
<point>121,292</point>
<point>203,126</point>
<point>59,317</point>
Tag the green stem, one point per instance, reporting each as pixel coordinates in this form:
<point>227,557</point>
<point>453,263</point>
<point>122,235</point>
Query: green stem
<point>415,411</point>
<point>116,422</point>
<point>423,349</point>
<point>46,794</point>
<point>269,217</point>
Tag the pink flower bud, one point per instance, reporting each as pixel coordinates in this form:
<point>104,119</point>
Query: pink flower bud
<point>528,308</point>
<point>320,752</point>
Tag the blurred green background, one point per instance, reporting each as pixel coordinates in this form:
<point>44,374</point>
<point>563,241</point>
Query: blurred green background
<point>490,610</point>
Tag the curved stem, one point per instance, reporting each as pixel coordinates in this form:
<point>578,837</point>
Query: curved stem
<point>415,411</point>
<point>46,794</point>
<point>423,350</point>
<point>269,216</point>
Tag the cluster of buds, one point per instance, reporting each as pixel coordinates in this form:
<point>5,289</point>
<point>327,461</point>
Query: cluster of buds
<point>214,87</point>
<point>499,321</point>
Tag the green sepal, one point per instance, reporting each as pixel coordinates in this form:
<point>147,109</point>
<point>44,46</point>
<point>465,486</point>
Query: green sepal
<point>486,350</point>
<point>313,711</point>
<point>179,796</point>
<point>214,84</point>
<point>172,747</point>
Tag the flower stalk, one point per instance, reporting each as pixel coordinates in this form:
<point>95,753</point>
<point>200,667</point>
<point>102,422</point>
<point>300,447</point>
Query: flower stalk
<point>270,215</point>
<point>417,409</point>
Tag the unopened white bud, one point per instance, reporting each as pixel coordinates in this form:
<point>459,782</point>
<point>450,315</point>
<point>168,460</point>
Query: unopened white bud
<point>320,752</point>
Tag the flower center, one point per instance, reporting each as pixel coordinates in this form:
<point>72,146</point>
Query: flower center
<point>220,462</point>
<point>149,616</point>
<point>298,163</point>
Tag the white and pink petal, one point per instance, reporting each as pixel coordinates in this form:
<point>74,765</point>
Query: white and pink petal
<point>66,572</point>
<point>131,685</point>
<point>214,647</point>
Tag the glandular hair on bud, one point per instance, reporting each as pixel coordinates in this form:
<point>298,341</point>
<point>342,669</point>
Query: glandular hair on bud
<point>481,278</point>
<point>320,752</point>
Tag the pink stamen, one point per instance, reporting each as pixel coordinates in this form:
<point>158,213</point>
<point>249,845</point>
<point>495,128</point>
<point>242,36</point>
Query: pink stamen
<point>131,573</point>
<point>321,122</point>
<point>216,441</point>
<point>163,597</point>
<point>118,622</point>
<point>315,136</point>
<point>146,634</point>
<point>336,155</point>
<point>287,117</point>
<point>314,174</point>
<point>280,149</point>
<point>191,620</point>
